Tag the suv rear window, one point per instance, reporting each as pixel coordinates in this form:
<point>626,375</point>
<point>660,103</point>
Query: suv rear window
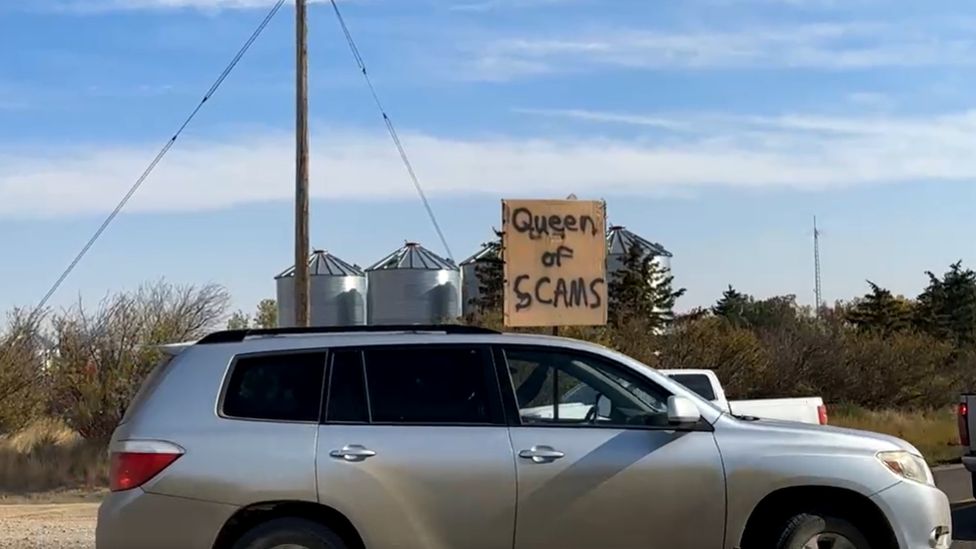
<point>277,387</point>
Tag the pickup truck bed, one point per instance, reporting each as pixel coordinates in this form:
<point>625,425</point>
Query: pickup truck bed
<point>707,385</point>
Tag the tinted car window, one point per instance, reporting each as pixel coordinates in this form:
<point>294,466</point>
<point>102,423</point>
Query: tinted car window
<point>432,385</point>
<point>347,389</point>
<point>282,387</point>
<point>696,382</point>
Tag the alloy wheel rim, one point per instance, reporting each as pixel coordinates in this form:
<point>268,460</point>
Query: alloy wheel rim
<point>829,540</point>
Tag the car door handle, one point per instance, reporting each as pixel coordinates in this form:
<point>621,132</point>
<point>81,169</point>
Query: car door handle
<point>353,452</point>
<point>542,454</point>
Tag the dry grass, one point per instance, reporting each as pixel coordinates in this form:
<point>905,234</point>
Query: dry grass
<point>48,456</point>
<point>934,433</point>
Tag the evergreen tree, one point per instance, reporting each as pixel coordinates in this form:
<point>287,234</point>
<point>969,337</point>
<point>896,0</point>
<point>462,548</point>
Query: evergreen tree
<point>266,317</point>
<point>733,306</point>
<point>745,311</point>
<point>880,312</point>
<point>239,321</point>
<point>773,312</point>
<point>947,307</point>
<point>267,314</point>
<point>491,280</point>
<point>641,289</point>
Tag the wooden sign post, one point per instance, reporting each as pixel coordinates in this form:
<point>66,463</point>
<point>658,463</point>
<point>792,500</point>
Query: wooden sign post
<point>555,263</point>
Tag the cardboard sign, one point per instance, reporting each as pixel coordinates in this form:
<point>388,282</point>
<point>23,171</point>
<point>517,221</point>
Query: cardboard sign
<point>555,262</point>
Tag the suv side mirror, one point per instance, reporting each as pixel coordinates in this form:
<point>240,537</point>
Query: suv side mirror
<point>604,406</point>
<point>683,411</point>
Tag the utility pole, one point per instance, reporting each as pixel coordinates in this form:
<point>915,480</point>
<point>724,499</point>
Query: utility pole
<point>301,167</point>
<point>816,267</point>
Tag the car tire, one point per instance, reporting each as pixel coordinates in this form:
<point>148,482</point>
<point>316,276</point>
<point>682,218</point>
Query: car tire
<point>802,532</point>
<point>290,532</point>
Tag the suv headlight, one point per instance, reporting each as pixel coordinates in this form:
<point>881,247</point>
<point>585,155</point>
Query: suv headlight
<point>907,465</point>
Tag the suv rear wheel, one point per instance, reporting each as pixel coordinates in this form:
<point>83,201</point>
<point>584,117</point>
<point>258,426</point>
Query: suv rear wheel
<point>290,533</point>
<point>820,531</point>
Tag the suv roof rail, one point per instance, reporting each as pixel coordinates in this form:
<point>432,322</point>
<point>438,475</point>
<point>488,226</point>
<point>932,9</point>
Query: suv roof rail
<point>236,336</point>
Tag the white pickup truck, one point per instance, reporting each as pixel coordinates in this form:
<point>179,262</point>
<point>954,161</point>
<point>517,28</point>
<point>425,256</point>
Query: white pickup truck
<point>967,433</point>
<point>706,384</point>
<point>581,401</point>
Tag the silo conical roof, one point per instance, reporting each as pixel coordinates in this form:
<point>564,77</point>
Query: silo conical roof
<point>620,241</point>
<point>489,251</point>
<point>416,257</point>
<point>322,263</point>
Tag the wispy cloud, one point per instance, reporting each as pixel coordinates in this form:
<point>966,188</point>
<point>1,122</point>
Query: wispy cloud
<point>834,46</point>
<point>84,6</point>
<point>794,151</point>
<point>489,5</point>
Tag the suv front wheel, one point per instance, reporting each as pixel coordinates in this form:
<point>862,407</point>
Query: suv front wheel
<point>292,533</point>
<point>817,531</point>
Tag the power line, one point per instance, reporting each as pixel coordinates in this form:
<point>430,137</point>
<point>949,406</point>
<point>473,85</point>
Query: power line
<point>159,157</point>
<point>391,128</point>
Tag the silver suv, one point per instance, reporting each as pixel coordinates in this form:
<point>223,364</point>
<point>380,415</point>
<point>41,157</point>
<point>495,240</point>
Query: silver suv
<point>460,438</point>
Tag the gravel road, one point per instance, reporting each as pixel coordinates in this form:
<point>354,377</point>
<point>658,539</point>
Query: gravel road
<point>48,526</point>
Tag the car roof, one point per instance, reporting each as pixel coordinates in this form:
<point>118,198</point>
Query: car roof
<point>284,341</point>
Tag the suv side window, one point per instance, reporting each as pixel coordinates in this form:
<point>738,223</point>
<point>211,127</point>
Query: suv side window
<point>439,385</point>
<point>276,387</point>
<point>555,387</point>
<point>347,388</point>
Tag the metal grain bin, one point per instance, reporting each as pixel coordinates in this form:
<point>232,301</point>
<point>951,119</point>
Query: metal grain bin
<point>470,284</point>
<point>619,243</point>
<point>337,293</point>
<point>413,286</point>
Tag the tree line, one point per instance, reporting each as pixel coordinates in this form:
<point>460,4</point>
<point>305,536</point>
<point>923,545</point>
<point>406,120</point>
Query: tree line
<point>877,351</point>
<point>82,365</point>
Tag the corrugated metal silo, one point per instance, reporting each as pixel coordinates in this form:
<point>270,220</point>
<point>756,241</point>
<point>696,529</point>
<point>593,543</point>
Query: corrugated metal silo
<point>337,293</point>
<point>619,243</point>
<point>470,284</point>
<point>413,286</point>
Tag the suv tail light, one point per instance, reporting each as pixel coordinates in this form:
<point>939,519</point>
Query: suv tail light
<point>134,463</point>
<point>822,414</point>
<point>964,424</point>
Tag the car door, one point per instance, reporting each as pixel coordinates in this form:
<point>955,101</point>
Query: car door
<point>414,449</point>
<point>599,465</point>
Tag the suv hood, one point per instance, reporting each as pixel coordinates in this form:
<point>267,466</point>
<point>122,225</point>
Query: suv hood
<point>829,436</point>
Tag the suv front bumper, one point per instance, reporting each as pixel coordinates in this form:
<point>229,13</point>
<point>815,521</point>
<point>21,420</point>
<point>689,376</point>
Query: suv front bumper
<point>919,514</point>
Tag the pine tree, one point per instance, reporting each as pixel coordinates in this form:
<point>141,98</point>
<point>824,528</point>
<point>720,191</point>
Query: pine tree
<point>490,271</point>
<point>947,307</point>
<point>733,306</point>
<point>880,312</point>
<point>266,316</point>
<point>239,321</point>
<point>642,290</point>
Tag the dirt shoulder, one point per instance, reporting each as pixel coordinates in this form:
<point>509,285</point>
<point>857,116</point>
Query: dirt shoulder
<point>56,497</point>
<point>63,526</point>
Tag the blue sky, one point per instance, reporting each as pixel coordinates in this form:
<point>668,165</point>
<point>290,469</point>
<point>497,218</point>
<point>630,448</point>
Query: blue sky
<point>717,127</point>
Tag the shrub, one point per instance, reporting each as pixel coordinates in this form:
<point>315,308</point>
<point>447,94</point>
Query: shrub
<point>104,356</point>
<point>736,355</point>
<point>23,351</point>
<point>47,455</point>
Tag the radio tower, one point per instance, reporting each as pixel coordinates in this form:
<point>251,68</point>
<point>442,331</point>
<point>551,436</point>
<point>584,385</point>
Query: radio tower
<point>816,267</point>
